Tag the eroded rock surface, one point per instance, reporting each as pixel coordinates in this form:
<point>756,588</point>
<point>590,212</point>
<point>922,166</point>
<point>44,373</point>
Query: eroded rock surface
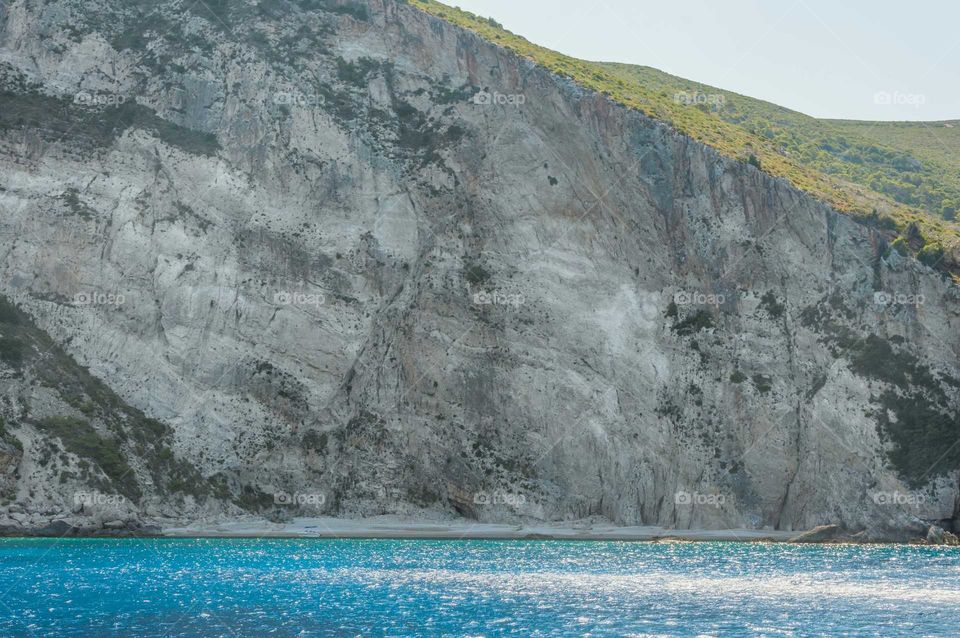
<point>353,256</point>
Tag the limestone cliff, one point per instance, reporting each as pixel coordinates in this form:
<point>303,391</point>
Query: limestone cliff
<point>354,256</point>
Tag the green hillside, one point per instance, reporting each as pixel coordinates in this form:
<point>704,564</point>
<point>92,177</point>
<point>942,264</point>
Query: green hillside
<point>935,145</point>
<point>914,163</point>
<point>903,177</point>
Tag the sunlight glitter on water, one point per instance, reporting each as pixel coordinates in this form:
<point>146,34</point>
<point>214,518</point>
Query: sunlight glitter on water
<point>189,588</point>
<point>543,583</point>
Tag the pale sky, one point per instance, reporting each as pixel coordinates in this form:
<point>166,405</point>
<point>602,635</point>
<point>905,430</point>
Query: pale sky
<point>827,58</point>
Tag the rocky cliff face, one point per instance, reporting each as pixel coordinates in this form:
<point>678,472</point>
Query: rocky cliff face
<point>349,259</point>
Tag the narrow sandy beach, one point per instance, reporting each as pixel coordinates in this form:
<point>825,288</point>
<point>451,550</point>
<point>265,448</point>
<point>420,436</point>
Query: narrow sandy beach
<point>388,527</point>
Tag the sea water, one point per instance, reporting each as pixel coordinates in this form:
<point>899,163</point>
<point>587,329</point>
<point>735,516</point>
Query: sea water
<point>262,587</point>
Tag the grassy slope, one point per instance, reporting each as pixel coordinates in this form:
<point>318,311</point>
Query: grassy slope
<point>887,173</point>
<point>935,144</point>
<point>917,164</point>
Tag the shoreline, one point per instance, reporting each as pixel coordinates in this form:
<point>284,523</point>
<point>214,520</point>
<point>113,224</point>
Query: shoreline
<point>333,528</point>
<point>389,527</point>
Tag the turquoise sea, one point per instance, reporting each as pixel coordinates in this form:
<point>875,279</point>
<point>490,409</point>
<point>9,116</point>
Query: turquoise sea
<point>252,587</point>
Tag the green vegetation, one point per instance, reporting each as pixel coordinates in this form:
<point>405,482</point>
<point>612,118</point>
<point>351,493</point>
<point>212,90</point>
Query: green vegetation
<point>7,437</point>
<point>11,352</point>
<point>762,383</point>
<point>475,273</point>
<point>56,119</point>
<point>925,435</point>
<point>79,437</point>
<point>931,177</point>
<point>356,72</point>
<point>887,174</point>
<point>915,412</point>
<point>123,432</point>
<point>700,320</point>
<point>931,254</point>
<point>75,205</point>
<point>772,305</point>
<point>875,358</point>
